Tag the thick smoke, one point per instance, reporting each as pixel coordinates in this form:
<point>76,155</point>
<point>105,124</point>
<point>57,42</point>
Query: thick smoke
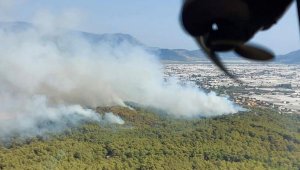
<point>53,75</point>
<point>33,116</point>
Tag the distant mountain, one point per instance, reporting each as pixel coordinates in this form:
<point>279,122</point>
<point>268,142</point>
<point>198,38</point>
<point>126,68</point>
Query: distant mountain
<point>116,40</point>
<point>290,58</point>
<point>15,26</point>
<point>163,54</point>
<point>111,39</point>
<point>172,55</point>
<point>176,54</point>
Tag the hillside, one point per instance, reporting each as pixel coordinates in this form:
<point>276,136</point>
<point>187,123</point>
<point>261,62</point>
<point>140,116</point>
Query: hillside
<point>259,139</point>
<point>290,58</point>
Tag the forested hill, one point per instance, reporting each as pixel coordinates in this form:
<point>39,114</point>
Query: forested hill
<point>258,139</point>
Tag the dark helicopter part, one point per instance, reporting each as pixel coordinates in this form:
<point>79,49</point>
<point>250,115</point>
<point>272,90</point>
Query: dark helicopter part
<point>249,51</point>
<point>198,16</point>
<point>223,25</point>
<point>298,9</point>
<point>214,57</point>
<point>253,52</point>
<point>265,13</point>
<point>244,50</point>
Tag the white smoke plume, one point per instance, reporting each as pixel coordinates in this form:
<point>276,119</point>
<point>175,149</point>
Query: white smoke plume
<point>113,119</point>
<point>50,75</point>
<point>33,116</point>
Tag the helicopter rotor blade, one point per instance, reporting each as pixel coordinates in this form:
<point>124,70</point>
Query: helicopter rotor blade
<point>254,53</point>
<point>298,9</point>
<point>248,51</point>
<point>214,58</point>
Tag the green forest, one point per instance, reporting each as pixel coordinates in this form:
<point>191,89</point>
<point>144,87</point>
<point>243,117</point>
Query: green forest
<point>256,139</point>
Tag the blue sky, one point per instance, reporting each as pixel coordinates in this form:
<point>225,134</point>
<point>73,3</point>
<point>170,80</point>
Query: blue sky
<point>153,22</point>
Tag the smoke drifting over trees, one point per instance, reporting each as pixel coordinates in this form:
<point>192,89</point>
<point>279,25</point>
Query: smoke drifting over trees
<point>47,73</point>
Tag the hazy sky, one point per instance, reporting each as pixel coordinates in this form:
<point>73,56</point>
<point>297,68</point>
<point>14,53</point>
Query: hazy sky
<point>153,22</point>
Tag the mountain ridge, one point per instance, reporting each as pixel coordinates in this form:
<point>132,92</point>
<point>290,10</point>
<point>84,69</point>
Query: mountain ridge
<point>164,54</point>
<point>290,58</point>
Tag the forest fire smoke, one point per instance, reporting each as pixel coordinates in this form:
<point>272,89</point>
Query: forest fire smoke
<point>47,74</point>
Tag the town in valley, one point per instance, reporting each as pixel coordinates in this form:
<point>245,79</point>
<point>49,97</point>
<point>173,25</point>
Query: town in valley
<point>274,86</point>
